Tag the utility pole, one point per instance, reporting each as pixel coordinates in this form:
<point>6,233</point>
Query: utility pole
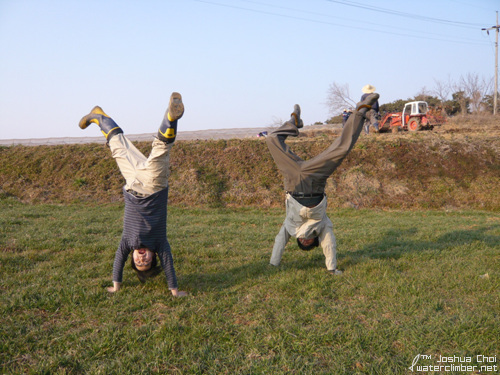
<point>496,27</point>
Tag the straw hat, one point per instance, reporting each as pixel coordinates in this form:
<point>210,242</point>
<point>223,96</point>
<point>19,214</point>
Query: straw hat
<point>368,89</point>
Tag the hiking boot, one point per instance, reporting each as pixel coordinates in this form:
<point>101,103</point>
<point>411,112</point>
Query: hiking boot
<point>168,127</point>
<point>296,116</point>
<point>97,116</point>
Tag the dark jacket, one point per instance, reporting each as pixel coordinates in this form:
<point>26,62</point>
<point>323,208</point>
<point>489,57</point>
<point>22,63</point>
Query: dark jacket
<point>375,106</point>
<point>145,226</point>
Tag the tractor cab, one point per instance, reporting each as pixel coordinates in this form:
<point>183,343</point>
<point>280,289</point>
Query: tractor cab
<point>418,109</point>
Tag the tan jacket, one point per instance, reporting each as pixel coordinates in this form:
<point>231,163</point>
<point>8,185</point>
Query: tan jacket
<point>306,222</point>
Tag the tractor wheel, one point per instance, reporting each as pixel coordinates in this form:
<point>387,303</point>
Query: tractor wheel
<point>414,124</point>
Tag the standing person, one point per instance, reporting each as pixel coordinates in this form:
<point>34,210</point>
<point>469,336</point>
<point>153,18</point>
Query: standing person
<point>345,116</point>
<point>146,194</point>
<point>372,115</point>
<point>305,183</point>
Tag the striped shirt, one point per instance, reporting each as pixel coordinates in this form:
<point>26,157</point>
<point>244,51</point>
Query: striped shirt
<point>145,226</point>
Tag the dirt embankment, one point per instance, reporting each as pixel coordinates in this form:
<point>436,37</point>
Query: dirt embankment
<point>455,166</point>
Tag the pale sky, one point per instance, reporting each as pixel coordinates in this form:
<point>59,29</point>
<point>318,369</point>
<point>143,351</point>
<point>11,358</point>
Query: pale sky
<point>237,63</point>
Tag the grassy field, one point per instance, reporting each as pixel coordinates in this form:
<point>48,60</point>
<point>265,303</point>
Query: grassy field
<point>415,282</point>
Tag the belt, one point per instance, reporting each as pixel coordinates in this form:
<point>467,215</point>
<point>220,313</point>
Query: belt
<point>136,194</point>
<point>302,195</point>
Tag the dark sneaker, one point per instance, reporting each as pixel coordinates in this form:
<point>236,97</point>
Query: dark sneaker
<point>296,116</point>
<point>97,116</point>
<point>168,127</point>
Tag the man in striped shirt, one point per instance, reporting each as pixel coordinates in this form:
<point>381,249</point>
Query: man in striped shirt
<point>146,195</point>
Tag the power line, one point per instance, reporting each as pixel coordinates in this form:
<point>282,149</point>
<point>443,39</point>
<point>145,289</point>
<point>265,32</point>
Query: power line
<point>403,14</point>
<point>419,36</point>
<point>420,32</point>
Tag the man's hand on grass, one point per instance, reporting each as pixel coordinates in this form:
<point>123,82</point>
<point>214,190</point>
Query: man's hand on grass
<point>114,288</point>
<point>178,293</point>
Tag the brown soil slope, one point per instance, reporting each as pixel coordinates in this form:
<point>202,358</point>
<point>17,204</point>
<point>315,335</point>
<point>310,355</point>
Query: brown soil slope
<point>456,166</point>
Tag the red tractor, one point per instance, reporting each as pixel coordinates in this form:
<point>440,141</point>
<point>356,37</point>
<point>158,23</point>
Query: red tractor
<point>415,116</point>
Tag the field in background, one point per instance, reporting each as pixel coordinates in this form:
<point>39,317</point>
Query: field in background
<point>418,282</point>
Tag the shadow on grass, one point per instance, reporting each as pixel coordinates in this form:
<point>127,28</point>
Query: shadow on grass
<point>223,279</point>
<point>253,272</point>
<point>395,243</point>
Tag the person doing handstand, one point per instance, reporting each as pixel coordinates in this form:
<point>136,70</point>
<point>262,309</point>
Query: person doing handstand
<point>146,195</point>
<point>305,182</point>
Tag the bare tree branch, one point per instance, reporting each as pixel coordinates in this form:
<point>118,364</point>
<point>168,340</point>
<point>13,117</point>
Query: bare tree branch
<point>472,90</point>
<point>475,89</point>
<point>458,89</point>
<point>339,98</point>
<point>441,90</point>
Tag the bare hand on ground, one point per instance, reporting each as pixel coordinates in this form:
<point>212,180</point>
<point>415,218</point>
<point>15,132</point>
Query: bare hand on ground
<point>178,293</point>
<point>114,288</point>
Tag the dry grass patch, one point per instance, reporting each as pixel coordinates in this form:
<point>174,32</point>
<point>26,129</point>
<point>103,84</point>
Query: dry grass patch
<point>456,165</point>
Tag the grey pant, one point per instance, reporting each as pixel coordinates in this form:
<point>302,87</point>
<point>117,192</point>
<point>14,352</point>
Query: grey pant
<point>143,175</point>
<point>371,120</point>
<point>309,176</point>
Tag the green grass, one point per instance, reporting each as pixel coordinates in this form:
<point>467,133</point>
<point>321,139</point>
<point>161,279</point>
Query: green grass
<point>413,284</point>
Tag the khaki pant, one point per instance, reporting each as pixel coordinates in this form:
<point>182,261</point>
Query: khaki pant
<point>309,176</point>
<point>143,175</point>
